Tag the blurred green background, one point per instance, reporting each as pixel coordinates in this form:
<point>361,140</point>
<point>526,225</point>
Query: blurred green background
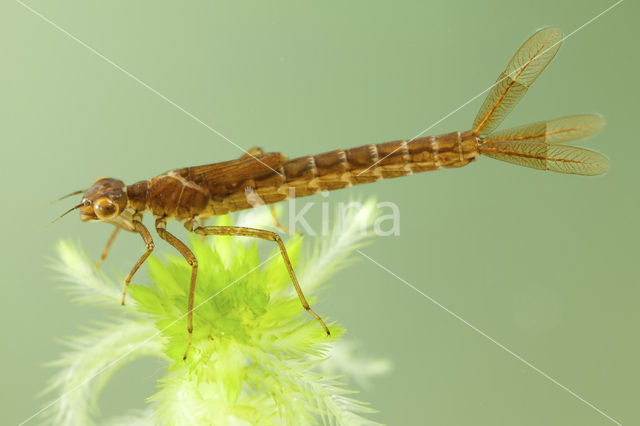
<point>545,264</point>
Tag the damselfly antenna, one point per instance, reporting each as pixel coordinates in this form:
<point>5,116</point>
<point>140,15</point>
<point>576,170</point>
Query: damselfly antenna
<point>67,212</point>
<point>81,191</point>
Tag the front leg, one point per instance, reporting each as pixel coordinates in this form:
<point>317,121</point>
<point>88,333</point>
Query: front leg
<point>148,241</point>
<point>105,253</point>
<point>193,262</point>
<point>193,226</point>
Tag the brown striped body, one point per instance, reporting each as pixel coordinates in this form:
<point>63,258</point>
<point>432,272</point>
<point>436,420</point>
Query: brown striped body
<point>205,191</point>
<point>257,178</point>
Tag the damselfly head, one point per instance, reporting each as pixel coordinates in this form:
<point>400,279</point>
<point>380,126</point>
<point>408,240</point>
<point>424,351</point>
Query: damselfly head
<point>104,200</point>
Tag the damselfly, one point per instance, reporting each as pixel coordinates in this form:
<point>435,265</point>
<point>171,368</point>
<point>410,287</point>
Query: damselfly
<point>192,194</point>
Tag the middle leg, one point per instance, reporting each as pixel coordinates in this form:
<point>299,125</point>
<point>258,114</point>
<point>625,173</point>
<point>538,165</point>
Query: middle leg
<point>193,262</point>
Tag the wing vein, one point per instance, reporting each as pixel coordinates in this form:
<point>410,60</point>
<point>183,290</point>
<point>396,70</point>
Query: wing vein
<point>506,90</point>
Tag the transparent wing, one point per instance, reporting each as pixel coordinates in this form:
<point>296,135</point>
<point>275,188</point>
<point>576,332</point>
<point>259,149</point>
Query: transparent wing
<point>560,130</point>
<point>521,71</point>
<point>542,156</point>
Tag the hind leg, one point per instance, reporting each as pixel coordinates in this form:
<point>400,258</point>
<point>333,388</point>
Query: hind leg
<point>192,226</point>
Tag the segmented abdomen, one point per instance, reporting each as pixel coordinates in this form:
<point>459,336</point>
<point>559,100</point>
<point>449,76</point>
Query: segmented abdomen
<point>343,168</point>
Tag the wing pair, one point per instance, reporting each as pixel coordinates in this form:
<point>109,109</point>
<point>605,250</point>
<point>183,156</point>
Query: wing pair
<point>535,145</point>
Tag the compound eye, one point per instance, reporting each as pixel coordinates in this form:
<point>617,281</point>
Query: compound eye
<point>105,208</point>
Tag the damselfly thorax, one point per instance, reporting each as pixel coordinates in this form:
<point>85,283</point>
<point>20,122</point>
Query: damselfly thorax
<point>191,194</point>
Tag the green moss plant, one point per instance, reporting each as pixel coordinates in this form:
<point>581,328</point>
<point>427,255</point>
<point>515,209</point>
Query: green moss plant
<point>257,357</point>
